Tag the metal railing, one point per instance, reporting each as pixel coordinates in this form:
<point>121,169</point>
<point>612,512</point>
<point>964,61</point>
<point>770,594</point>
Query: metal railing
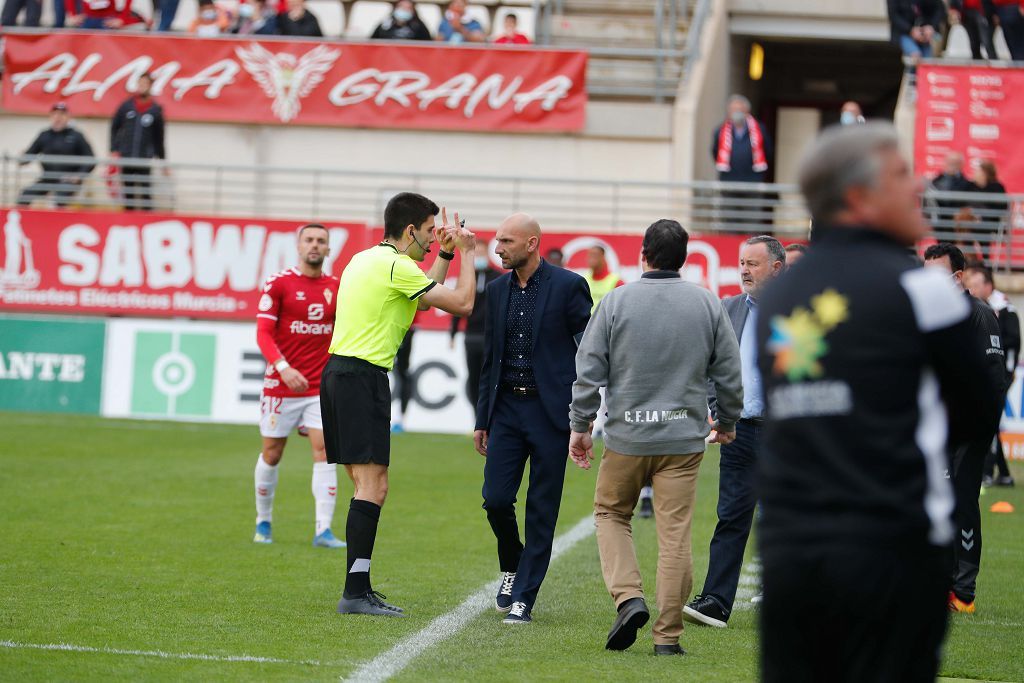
<point>983,224</point>
<point>308,193</point>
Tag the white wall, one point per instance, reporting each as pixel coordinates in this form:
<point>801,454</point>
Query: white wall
<point>621,141</point>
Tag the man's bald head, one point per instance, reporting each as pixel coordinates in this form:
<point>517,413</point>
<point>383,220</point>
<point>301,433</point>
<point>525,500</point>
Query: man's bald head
<point>522,223</point>
<point>518,241</point>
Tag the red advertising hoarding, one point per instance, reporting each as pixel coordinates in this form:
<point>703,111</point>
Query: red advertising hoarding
<point>141,264</point>
<point>974,110</point>
<point>300,82</point>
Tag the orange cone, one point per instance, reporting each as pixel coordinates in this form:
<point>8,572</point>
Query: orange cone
<point>1002,507</point>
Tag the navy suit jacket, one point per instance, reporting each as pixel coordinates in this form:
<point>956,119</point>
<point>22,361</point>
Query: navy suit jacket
<point>563,310</point>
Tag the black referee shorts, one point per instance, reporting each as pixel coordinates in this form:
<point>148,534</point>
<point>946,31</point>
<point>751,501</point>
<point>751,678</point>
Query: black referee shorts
<point>355,402</point>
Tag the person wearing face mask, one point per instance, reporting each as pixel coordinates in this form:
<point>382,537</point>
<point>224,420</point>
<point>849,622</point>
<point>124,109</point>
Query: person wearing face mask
<point>211,20</point>
<point>402,24</point>
<point>741,147</point>
<point>255,19</point>
<point>456,27</point>
<point>851,114</point>
<point>474,329</point>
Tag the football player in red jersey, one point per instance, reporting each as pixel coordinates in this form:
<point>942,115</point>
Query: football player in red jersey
<point>293,330</point>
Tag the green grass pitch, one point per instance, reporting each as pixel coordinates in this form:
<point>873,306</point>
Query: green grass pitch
<point>131,537</point>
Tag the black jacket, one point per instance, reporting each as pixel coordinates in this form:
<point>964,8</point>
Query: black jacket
<point>859,349</point>
<point>906,14</point>
<point>67,142</point>
<point>389,29</point>
<point>307,26</point>
<point>1009,333</point>
<point>475,322</point>
<point>561,316</point>
<point>138,133</point>
<point>986,329</point>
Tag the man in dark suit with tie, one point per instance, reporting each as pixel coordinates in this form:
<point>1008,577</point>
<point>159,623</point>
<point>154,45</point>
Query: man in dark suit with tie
<point>536,315</point>
<point>761,259</point>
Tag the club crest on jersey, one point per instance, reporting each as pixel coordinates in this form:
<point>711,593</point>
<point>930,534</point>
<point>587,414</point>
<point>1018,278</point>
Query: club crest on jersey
<point>266,302</point>
<point>300,296</point>
<point>798,340</point>
<point>327,296</point>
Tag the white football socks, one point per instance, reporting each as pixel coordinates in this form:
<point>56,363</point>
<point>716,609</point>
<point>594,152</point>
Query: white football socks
<point>647,492</point>
<point>266,483</point>
<point>325,493</point>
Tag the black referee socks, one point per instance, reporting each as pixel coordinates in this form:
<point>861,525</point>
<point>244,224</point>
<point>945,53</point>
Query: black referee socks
<point>360,533</point>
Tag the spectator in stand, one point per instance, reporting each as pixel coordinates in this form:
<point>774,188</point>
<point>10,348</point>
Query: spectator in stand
<point>100,14</point>
<point>137,132</point>
<point>457,28</point>
<point>211,20</point>
<point>742,150</point>
<point>168,9</point>
<point>794,252</point>
<point>952,179</point>
<point>12,8</point>
<point>741,147</point>
<point>511,34</point>
<point>976,16</point>
<point>851,114</point>
<point>403,23</point>
<point>1011,18</point>
<point>555,257</point>
<point>63,179</point>
<point>255,19</point>
<point>914,25</point>
<point>298,21</point>
<point>991,210</point>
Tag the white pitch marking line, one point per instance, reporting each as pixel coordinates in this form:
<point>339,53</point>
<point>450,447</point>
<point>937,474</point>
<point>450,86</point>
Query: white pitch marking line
<point>67,647</point>
<point>390,663</point>
<point>750,585</point>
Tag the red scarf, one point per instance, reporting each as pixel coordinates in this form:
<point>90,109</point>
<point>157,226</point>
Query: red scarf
<point>756,146</point>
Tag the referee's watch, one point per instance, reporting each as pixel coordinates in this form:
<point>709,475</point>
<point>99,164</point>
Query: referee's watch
<point>446,255</point>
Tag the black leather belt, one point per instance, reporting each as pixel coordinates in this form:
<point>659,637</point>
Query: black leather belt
<point>754,421</point>
<point>519,391</point>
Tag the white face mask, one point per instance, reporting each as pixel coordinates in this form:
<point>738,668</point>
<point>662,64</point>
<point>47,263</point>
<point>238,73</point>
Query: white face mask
<point>208,14</point>
<point>402,15</point>
<point>738,117</point>
<point>246,11</point>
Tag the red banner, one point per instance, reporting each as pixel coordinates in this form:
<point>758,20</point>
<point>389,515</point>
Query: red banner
<point>200,267</point>
<point>302,83</point>
<point>974,110</point>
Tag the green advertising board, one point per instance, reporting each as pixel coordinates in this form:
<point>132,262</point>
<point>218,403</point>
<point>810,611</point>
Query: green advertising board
<point>173,374</point>
<point>50,365</point>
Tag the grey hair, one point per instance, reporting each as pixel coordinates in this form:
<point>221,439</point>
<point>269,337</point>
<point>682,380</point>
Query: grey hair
<point>841,158</point>
<point>741,99</point>
<point>774,247</point>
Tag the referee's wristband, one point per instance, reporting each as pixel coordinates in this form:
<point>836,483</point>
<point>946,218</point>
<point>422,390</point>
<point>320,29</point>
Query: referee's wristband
<point>446,255</point>
<point>281,364</point>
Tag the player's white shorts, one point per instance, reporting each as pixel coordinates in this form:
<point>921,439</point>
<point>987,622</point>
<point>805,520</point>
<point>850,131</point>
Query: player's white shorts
<point>279,415</point>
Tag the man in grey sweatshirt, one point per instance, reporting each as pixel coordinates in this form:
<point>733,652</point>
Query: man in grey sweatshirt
<point>654,345</point>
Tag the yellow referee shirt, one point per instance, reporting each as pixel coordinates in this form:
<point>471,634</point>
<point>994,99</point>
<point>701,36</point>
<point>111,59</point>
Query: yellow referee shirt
<point>376,304</point>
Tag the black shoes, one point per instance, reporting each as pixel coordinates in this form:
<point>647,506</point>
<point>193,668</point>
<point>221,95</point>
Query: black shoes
<point>519,613</point>
<point>706,610</point>
<point>646,508</point>
<point>503,601</point>
<point>988,481</point>
<point>633,614</point>
<point>371,603</point>
<point>669,650</point>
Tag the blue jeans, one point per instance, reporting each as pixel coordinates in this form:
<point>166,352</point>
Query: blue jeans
<point>912,48</point>
<point>168,8</point>
<point>737,500</point>
<point>1013,30</point>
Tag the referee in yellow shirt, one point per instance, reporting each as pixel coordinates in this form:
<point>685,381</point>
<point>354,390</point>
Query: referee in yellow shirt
<point>380,291</point>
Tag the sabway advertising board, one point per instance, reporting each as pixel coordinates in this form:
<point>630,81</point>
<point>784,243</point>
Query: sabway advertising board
<point>300,82</point>
<point>140,264</point>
